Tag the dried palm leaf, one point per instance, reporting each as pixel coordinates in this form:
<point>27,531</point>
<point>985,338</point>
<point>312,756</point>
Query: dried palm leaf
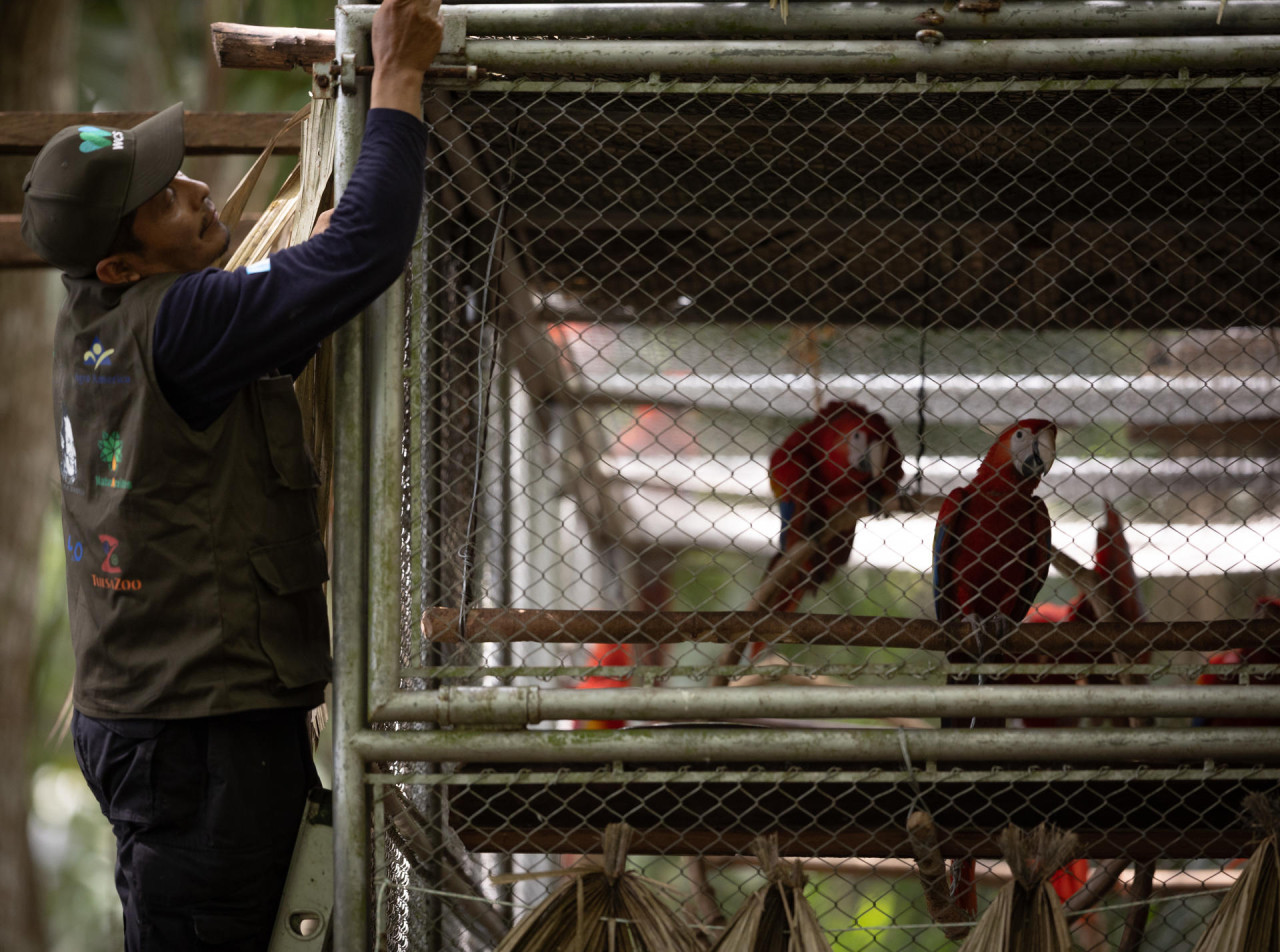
<point>1026,915</point>
<point>1248,918</point>
<point>289,219</point>
<point>776,917</point>
<point>602,907</point>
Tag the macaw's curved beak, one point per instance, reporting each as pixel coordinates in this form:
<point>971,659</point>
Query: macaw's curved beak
<point>1041,455</point>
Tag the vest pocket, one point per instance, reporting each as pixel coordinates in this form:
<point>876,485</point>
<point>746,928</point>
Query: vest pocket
<point>282,422</point>
<point>293,620</point>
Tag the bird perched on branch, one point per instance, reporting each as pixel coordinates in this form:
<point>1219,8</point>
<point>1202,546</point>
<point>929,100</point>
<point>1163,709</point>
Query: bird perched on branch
<point>991,548</point>
<point>842,459</point>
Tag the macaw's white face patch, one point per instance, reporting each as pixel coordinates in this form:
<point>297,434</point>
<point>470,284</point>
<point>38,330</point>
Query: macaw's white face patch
<point>258,267</point>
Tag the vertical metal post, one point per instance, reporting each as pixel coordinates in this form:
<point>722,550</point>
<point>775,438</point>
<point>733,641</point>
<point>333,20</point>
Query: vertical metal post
<point>350,579</point>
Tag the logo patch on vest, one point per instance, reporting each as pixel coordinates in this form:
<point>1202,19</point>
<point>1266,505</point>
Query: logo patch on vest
<point>111,450</point>
<point>98,358</point>
<point>112,577</point>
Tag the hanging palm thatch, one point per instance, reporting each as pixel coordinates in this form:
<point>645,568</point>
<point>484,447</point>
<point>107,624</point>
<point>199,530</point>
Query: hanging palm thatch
<point>776,917</point>
<point>1248,919</point>
<point>602,907</point>
<point>1026,915</point>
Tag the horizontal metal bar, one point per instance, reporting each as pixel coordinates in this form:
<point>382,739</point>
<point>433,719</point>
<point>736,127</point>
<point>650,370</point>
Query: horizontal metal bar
<point>900,86</point>
<point>454,706</point>
<point>862,57</point>
<point>928,671</point>
<point>953,777</point>
<point>735,19</point>
<point>755,745</point>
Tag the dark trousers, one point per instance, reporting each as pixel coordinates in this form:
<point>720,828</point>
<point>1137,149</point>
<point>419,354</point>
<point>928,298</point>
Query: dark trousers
<point>205,813</point>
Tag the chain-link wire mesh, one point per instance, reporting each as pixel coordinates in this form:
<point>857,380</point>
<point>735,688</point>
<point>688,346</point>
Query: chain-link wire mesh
<point>631,305</point>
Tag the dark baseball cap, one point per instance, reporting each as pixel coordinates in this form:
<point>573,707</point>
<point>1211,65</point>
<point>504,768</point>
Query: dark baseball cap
<point>87,178</point>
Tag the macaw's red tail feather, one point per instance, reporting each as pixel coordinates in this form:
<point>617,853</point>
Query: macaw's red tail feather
<point>1070,879</point>
<point>1113,563</point>
<point>964,885</point>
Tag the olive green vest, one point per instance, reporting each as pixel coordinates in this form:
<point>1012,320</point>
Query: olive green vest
<point>194,559</point>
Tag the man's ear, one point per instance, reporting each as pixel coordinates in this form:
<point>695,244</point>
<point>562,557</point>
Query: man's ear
<point>118,269</point>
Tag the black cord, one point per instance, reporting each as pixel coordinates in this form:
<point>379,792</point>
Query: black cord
<point>918,482</point>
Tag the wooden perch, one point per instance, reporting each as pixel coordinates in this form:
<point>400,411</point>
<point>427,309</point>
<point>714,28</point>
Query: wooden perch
<point>1102,881</point>
<point>648,627</point>
<point>932,870</point>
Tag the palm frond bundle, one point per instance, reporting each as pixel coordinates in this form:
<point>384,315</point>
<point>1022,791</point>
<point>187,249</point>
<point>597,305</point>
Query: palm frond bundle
<point>1248,918</point>
<point>1026,915</point>
<point>601,907</point>
<point>776,917</point>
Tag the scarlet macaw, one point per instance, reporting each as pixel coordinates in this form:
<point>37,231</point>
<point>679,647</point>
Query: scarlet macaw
<point>822,468</point>
<point>991,548</point>
<point>991,556</point>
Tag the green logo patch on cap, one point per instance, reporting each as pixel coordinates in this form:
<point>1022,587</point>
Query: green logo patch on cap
<point>93,138</point>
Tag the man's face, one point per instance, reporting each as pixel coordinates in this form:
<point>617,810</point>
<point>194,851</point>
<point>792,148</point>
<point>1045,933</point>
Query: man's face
<point>179,229</point>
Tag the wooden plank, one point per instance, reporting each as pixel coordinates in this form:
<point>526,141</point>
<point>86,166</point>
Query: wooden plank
<point>243,46</point>
<point>646,627</point>
<point>206,133</point>
<point>14,252</point>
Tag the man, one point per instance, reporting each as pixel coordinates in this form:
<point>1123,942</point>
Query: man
<point>194,557</point>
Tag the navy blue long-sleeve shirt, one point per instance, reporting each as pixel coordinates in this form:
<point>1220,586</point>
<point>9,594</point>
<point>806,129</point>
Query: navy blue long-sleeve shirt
<point>218,331</point>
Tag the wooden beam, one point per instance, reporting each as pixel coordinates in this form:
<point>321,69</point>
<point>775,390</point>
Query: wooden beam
<point>206,133</point>
<point>645,627</point>
<point>14,252</point>
<point>242,46</point>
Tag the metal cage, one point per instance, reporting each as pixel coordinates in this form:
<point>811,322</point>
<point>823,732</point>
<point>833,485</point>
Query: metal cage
<point>646,259</point>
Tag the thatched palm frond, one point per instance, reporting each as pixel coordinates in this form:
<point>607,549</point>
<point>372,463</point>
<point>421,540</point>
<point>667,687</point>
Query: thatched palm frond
<point>601,907</point>
<point>776,917</point>
<point>1248,918</point>
<point>1026,915</point>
